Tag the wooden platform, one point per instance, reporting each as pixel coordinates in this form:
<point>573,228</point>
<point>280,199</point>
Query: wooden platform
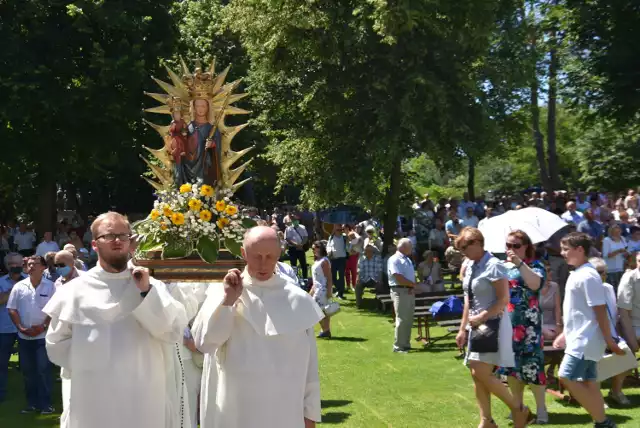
<point>191,269</point>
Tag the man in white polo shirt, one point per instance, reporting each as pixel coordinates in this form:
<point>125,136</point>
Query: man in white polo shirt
<point>47,245</point>
<point>25,304</point>
<point>24,240</point>
<point>402,281</point>
<point>587,332</point>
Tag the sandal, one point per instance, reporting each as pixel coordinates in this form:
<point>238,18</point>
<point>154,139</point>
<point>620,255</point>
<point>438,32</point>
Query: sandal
<point>523,418</point>
<point>488,423</point>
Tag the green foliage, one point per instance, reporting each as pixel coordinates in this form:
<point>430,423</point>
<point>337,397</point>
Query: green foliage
<point>603,72</point>
<point>71,83</point>
<point>608,156</point>
<point>177,249</point>
<point>208,249</point>
<point>233,246</point>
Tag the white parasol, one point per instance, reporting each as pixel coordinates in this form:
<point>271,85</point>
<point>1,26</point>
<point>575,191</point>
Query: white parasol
<point>539,224</point>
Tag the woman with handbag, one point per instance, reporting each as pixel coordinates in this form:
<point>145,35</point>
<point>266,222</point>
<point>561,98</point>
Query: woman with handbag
<point>322,284</point>
<point>526,275</point>
<point>485,327</point>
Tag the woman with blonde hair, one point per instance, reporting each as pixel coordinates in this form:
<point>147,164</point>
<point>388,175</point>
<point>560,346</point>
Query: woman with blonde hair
<point>486,328</point>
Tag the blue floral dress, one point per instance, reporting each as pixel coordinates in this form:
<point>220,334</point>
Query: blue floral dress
<point>526,320</point>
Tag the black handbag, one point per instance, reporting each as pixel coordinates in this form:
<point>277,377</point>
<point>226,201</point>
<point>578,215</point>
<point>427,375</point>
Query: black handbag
<point>484,338</point>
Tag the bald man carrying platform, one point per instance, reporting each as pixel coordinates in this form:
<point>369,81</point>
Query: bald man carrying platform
<point>261,367</point>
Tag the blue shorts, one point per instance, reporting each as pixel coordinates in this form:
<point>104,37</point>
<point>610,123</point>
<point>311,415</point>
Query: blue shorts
<point>578,369</point>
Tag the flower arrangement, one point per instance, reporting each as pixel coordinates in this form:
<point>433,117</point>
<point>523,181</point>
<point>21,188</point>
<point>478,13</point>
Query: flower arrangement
<point>193,218</point>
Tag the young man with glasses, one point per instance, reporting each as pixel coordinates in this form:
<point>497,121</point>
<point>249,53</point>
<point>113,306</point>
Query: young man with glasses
<point>115,329</point>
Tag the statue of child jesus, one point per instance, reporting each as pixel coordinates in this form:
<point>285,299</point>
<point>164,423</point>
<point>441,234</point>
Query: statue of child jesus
<point>178,132</point>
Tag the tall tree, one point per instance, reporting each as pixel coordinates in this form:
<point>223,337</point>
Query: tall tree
<point>554,64</point>
<point>603,74</point>
<point>348,90</point>
<point>72,77</point>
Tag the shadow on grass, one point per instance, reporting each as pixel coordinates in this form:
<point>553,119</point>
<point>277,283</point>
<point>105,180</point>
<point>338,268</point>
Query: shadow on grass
<point>335,403</point>
<point>335,417</point>
<point>439,347</point>
<point>347,339</point>
<point>580,419</point>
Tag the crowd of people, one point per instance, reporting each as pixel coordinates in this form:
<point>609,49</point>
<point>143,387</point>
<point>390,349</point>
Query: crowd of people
<point>522,299</point>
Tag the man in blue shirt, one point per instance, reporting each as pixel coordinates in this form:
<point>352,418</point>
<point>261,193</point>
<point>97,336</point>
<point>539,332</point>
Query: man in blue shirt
<point>8,331</point>
<point>402,281</point>
<point>453,226</point>
<point>592,228</point>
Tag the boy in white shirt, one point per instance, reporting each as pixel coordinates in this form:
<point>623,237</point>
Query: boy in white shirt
<point>587,332</point>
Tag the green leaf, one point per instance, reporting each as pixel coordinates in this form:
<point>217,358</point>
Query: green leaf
<point>149,242</point>
<point>177,249</point>
<point>233,246</point>
<point>208,249</point>
<point>248,223</point>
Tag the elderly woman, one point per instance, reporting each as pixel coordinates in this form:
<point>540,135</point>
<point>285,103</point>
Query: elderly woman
<point>526,276</point>
<point>429,274</point>
<point>615,393</point>
<point>486,294</point>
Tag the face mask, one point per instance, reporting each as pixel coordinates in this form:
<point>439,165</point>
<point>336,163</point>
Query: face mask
<point>296,223</point>
<point>15,270</point>
<point>64,271</point>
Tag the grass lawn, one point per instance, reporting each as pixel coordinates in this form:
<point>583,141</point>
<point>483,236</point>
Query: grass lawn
<point>365,385</point>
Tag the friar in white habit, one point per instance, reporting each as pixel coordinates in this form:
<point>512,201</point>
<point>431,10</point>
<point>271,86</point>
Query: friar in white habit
<point>257,329</point>
<point>114,329</point>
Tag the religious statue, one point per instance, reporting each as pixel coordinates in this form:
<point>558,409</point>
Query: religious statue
<point>197,142</point>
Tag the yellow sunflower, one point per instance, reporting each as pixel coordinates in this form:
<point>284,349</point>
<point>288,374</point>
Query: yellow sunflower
<point>222,222</point>
<point>155,214</point>
<point>185,188</point>
<point>205,215</point>
<point>231,210</point>
<point>220,206</point>
<point>195,204</point>
<point>177,219</point>
<point>206,190</point>
<point>166,210</point>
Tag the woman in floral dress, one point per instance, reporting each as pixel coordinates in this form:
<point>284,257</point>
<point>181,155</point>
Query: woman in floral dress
<point>526,276</point>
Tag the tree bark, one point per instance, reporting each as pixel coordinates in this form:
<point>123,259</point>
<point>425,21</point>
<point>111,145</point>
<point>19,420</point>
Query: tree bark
<point>471,178</point>
<point>552,155</point>
<point>46,205</point>
<point>391,202</point>
<point>538,138</point>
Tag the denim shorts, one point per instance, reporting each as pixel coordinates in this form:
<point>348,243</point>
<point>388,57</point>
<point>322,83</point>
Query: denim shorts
<point>578,369</point>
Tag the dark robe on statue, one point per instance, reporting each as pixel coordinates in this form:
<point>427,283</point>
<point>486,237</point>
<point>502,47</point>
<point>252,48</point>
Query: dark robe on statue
<point>198,163</point>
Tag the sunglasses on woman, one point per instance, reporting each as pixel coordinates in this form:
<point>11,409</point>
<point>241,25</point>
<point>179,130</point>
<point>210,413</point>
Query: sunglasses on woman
<point>513,246</point>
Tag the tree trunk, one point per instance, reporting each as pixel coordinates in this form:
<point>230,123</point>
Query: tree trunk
<point>46,205</point>
<point>538,138</point>
<point>391,203</point>
<point>552,155</point>
<point>471,179</point>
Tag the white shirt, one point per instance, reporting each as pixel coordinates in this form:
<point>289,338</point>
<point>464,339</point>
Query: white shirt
<point>29,302</point>
<point>24,241</point>
<point>612,309</point>
<point>583,291</point>
<point>614,264</point>
<point>336,246</point>
<point>44,247</point>
<point>287,270</point>
<point>297,235</point>
<point>575,217</point>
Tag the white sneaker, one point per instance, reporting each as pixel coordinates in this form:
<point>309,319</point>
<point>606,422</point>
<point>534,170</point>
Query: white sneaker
<point>619,398</point>
<point>542,418</point>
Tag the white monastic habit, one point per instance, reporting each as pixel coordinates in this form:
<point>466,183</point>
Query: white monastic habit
<point>119,349</point>
<point>261,367</point>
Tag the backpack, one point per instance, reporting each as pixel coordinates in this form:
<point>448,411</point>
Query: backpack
<point>452,305</point>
